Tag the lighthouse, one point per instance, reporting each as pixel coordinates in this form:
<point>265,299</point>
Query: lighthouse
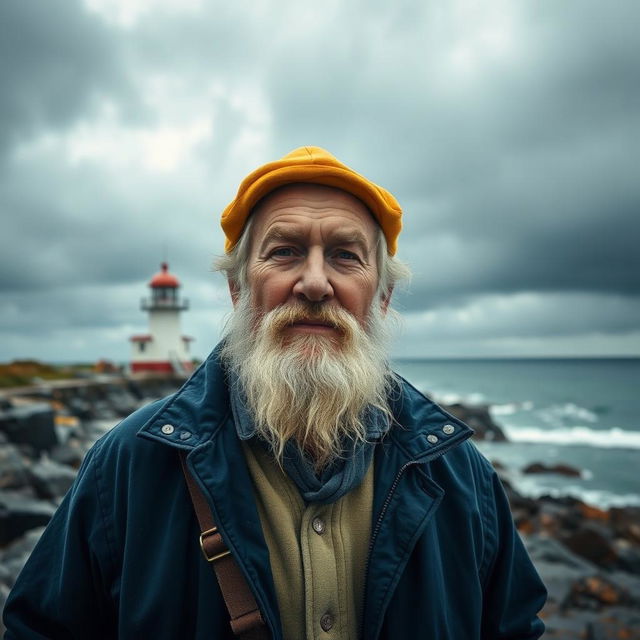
<point>164,349</point>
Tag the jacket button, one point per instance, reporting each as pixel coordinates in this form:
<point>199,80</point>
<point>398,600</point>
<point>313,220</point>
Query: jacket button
<point>318,527</point>
<point>167,429</point>
<point>432,439</point>
<point>326,622</point>
<point>448,429</point>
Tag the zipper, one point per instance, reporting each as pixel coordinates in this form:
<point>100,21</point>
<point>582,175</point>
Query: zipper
<point>374,534</point>
<point>376,529</point>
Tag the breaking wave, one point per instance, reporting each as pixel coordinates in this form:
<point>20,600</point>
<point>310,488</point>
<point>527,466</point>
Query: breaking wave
<point>606,438</point>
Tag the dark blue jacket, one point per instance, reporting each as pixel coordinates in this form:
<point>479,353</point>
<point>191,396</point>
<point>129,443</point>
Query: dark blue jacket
<point>121,557</point>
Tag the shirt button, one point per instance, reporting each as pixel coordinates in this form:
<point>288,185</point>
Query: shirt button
<point>326,622</point>
<point>432,439</point>
<point>448,429</point>
<point>167,429</point>
<point>318,527</point>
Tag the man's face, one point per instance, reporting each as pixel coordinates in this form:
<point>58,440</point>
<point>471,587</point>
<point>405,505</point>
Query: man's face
<point>316,244</point>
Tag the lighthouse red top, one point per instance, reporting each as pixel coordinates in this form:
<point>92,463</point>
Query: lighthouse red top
<point>164,278</point>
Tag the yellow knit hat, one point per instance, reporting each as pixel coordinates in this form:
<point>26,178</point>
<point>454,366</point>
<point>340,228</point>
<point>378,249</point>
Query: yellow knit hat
<point>310,164</point>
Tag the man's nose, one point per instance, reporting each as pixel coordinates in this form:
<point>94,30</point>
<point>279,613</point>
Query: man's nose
<point>313,282</point>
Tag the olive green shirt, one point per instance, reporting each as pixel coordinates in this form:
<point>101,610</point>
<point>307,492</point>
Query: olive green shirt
<point>318,552</point>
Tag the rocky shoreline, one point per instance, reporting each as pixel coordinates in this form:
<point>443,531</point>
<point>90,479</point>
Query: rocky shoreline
<point>589,558</point>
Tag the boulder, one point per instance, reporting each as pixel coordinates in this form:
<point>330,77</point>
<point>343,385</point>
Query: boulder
<point>17,553</point>
<point>626,523</point>
<point>4,592</point>
<point>558,567</point>
<point>558,469</point>
<point>13,468</point>
<point>596,592</point>
<point>31,424</point>
<point>593,542</point>
<point>51,479</point>
<point>19,513</point>
<point>615,625</point>
<point>70,453</point>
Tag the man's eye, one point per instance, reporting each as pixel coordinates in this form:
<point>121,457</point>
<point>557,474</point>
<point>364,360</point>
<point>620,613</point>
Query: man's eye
<point>282,252</point>
<point>346,255</point>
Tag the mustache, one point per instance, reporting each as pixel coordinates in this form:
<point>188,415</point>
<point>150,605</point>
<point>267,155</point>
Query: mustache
<point>291,313</point>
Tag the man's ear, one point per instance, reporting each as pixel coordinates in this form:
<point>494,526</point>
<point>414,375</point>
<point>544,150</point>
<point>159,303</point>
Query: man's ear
<point>234,290</point>
<point>385,300</point>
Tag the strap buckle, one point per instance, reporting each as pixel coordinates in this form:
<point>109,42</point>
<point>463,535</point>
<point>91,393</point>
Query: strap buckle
<point>216,556</point>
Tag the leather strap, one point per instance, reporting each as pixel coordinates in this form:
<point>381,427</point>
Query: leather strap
<point>246,619</point>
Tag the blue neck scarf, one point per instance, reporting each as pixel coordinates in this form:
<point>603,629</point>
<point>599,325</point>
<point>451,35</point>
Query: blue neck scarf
<point>338,478</point>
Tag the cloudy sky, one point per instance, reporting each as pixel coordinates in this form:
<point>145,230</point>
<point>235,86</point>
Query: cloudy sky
<point>508,130</point>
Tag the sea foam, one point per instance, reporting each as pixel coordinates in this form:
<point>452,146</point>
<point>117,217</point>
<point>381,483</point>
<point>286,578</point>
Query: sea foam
<point>579,435</point>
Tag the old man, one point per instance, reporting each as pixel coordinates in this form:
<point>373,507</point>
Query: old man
<point>295,487</point>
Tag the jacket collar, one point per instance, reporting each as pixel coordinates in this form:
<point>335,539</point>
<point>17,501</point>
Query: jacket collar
<point>423,430</point>
<point>192,415</point>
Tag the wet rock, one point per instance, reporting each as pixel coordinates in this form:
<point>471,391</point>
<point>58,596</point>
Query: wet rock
<point>626,522</point>
<point>13,468</point>
<point>70,453</point>
<point>594,543</point>
<point>479,419</point>
<point>23,545</point>
<point>590,512</point>
<point>621,624</point>
<point>4,592</point>
<point>123,402</point>
<point>80,407</point>
<point>16,554</point>
<point>31,424</point>
<point>558,469</point>
<point>628,556</point>
<point>19,513</point>
<point>51,479</point>
<point>597,592</point>
<point>558,567</point>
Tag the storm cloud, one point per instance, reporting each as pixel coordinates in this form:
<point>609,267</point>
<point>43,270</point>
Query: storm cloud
<point>507,131</point>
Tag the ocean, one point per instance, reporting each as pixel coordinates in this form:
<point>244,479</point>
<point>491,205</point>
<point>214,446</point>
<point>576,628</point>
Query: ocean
<point>580,412</point>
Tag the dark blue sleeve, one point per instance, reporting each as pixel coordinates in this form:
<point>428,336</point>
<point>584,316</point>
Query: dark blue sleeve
<point>513,591</point>
<point>63,589</point>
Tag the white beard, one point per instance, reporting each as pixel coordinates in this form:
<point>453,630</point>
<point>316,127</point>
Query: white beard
<point>310,388</point>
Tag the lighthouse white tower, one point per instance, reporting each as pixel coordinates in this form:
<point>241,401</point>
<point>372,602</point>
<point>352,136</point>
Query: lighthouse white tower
<point>164,348</point>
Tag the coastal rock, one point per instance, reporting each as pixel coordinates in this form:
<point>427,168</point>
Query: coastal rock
<point>593,542</point>
<point>615,625</point>
<point>596,592</point>
<point>626,522</point>
<point>558,567</point>
<point>4,592</point>
<point>70,453</point>
<point>19,513</point>
<point>628,556</point>
<point>479,419</point>
<point>31,424</point>
<point>16,554</point>
<point>51,479</point>
<point>13,468</point>
<point>558,469</point>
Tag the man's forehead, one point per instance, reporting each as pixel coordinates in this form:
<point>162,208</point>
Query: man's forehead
<point>300,194</point>
<point>293,231</point>
<point>288,211</point>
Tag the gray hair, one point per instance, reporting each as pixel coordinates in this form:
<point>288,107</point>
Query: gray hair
<point>391,271</point>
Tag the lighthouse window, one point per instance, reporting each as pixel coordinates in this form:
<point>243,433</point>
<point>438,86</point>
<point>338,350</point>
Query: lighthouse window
<point>165,293</point>
<point>141,346</point>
